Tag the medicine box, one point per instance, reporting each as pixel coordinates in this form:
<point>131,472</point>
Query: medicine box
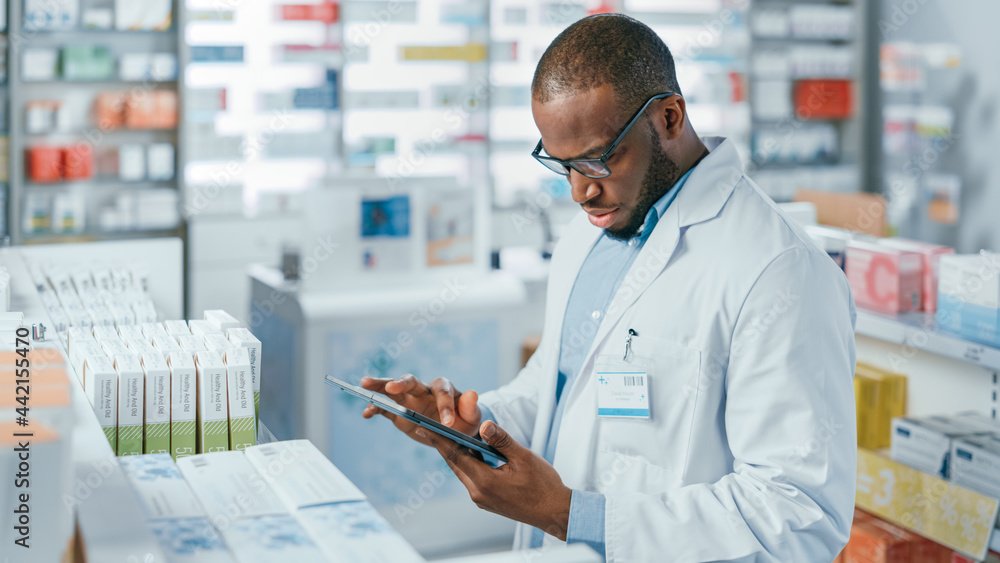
<point>202,327</point>
<point>131,386</point>
<point>975,464</point>
<point>131,331</point>
<point>242,337</point>
<point>930,255</point>
<point>213,404</point>
<point>156,425</point>
<point>183,405</point>
<point>890,402</point>
<point>221,320</point>
<point>925,443</point>
<point>969,297</point>
<point>885,280</point>
<point>176,327</point>
<point>242,425</point>
<point>101,387</point>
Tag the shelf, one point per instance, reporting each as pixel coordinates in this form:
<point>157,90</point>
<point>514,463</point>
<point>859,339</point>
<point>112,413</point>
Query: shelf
<point>102,82</point>
<point>920,331</point>
<point>102,183</point>
<point>95,235</point>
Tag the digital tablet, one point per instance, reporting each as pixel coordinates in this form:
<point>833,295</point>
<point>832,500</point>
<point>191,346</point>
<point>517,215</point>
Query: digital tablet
<point>385,403</point>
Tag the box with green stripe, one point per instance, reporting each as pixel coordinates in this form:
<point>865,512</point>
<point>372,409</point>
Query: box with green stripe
<point>183,405</point>
<point>156,431</point>
<point>130,403</point>
<point>243,338</point>
<point>213,403</point>
<point>242,426</point>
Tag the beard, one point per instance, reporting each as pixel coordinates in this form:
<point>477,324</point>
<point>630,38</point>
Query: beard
<point>660,176</point>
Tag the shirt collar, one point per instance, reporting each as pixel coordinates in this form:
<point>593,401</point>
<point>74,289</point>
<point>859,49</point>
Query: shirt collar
<point>660,207</point>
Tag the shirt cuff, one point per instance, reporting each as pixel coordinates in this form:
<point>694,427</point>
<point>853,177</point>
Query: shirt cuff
<point>586,520</point>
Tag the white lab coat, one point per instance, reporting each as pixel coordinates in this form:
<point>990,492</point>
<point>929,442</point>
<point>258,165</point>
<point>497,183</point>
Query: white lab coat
<point>746,329</point>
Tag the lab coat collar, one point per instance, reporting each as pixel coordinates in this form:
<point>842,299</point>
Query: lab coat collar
<point>711,182</point>
<point>705,192</point>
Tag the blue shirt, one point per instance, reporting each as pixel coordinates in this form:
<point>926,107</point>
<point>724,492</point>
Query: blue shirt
<point>597,282</point>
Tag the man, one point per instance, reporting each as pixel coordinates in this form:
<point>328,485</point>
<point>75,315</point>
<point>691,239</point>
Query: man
<point>691,398</point>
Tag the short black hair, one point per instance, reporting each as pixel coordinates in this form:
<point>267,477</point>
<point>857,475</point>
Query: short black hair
<point>606,49</point>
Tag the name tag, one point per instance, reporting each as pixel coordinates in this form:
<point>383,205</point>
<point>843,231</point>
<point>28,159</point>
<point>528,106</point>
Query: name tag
<point>622,394</point>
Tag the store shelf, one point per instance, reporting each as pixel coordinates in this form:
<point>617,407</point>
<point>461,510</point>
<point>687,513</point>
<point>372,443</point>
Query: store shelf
<point>920,331</point>
<point>91,235</point>
<point>104,82</point>
<point>102,183</point>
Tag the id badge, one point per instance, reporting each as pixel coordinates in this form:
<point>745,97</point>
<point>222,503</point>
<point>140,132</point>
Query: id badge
<point>622,393</point>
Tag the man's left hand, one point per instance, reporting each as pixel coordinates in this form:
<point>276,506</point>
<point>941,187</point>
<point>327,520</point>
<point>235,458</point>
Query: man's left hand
<point>527,489</point>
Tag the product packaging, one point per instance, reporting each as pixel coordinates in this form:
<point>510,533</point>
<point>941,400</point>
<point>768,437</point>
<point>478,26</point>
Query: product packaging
<point>213,404</point>
<point>131,387</point>
<point>890,402</point>
<point>243,338</point>
<point>885,280</point>
<point>183,405</point>
<point>101,386</point>
<point>930,254</point>
<point>242,424</point>
<point>156,427</point>
<point>969,297</point>
<point>221,320</point>
<point>925,443</point>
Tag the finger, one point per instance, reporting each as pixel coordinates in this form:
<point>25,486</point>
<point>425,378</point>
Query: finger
<point>376,384</point>
<point>444,396</point>
<point>497,437</point>
<point>406,385</point>
<point>468,407</point>
<point>457,456</point>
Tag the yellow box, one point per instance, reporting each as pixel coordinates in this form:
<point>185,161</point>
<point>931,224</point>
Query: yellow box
<point>891,401</point>
<point>866,396</point>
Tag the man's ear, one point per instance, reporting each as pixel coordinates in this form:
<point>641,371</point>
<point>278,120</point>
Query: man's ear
<point>672,116</point>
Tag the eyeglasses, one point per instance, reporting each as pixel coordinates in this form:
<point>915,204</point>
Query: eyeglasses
<point>593,167</point>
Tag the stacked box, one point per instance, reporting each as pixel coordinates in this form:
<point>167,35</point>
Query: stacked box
<point>213,407</point>
<point>131,387</point>
<point>931,255</point>
<point>874,540</point>
<point>183,405</point>
<point>867,399</point>
<point>925,443</point>
<point>221,320</point>
<point>885,280</point>
<point>889,402</point>
<point>175,328</point>
<point>969,297</point>
<point>156,426</point>
<point>243,338</point>
<point>242,426</point>
<point>202,327</point>
<point>101,387</point>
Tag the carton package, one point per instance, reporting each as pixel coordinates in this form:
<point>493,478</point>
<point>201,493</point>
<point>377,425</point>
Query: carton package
<point>925,443</point>
<point>221,320</point>
<point>876,541</point>
<point>867,401</point>
<point>143,14</point>
<point>131,331</point>
<point>930,254</point>
<point>131,387</point>
<point>176,327</point>
<point>969,297</point>
<point>113,347</point>
<point>191,343</point>
<point>330,508</point>
<point>213,404</point>
<point>156,426</point>
<point>260,529</point>
<point>183,405</point>
<point>975,464</point>
<point>166,344</point>
<point>173,512</point>
<point>203,327</point>
<point>217,343</point>
<point>242,425</point>
<point>890,401</point>
<point>243,338</point>
<point>151,329</point>
<point>885,280</point>
<point>101,386</point>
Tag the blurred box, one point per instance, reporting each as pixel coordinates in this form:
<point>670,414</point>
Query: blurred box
<point>78,161</point>
<point>883,279</point>
<point>109,110</point>
<point>925,443</point>
<point>143,14</point>
<point>969,297</point>
<point>39,64</point>
<point>86,62</point>
<point>44,164</point>
<point>326,12</point>
<point>824,99</point>
<point>930,254</point>
<point>889,400</point>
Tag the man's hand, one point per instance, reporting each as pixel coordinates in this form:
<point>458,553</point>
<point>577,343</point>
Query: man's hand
<point>526,489</point>
<point>439,401</point>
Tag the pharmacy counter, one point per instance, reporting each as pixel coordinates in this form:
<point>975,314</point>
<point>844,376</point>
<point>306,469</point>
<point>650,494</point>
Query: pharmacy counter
<point>464,326</point>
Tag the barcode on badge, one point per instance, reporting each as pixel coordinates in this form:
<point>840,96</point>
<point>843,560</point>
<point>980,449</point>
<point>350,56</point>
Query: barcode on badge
<point>634,381</point>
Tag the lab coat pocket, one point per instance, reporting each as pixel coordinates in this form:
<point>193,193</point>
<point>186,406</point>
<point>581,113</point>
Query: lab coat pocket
<point>650,454</point>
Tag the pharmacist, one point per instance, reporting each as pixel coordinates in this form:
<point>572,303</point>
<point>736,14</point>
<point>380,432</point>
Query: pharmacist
<point>691,398</point>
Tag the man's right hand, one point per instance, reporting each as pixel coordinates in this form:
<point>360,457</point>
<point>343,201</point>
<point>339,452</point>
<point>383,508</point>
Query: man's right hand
<point>439,401</point>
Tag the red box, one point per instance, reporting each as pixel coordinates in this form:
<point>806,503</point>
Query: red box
<point>931,256</point>
<point>45,164</point>
<point>78,161</point>
<point>885,280</point>
<point>824,99</point>
<point>326,12</point>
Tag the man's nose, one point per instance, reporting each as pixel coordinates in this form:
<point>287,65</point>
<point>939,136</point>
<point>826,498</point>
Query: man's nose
<point>582,188</point>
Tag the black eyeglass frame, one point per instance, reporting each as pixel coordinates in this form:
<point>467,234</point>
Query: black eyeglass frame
<point>603,159</point>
